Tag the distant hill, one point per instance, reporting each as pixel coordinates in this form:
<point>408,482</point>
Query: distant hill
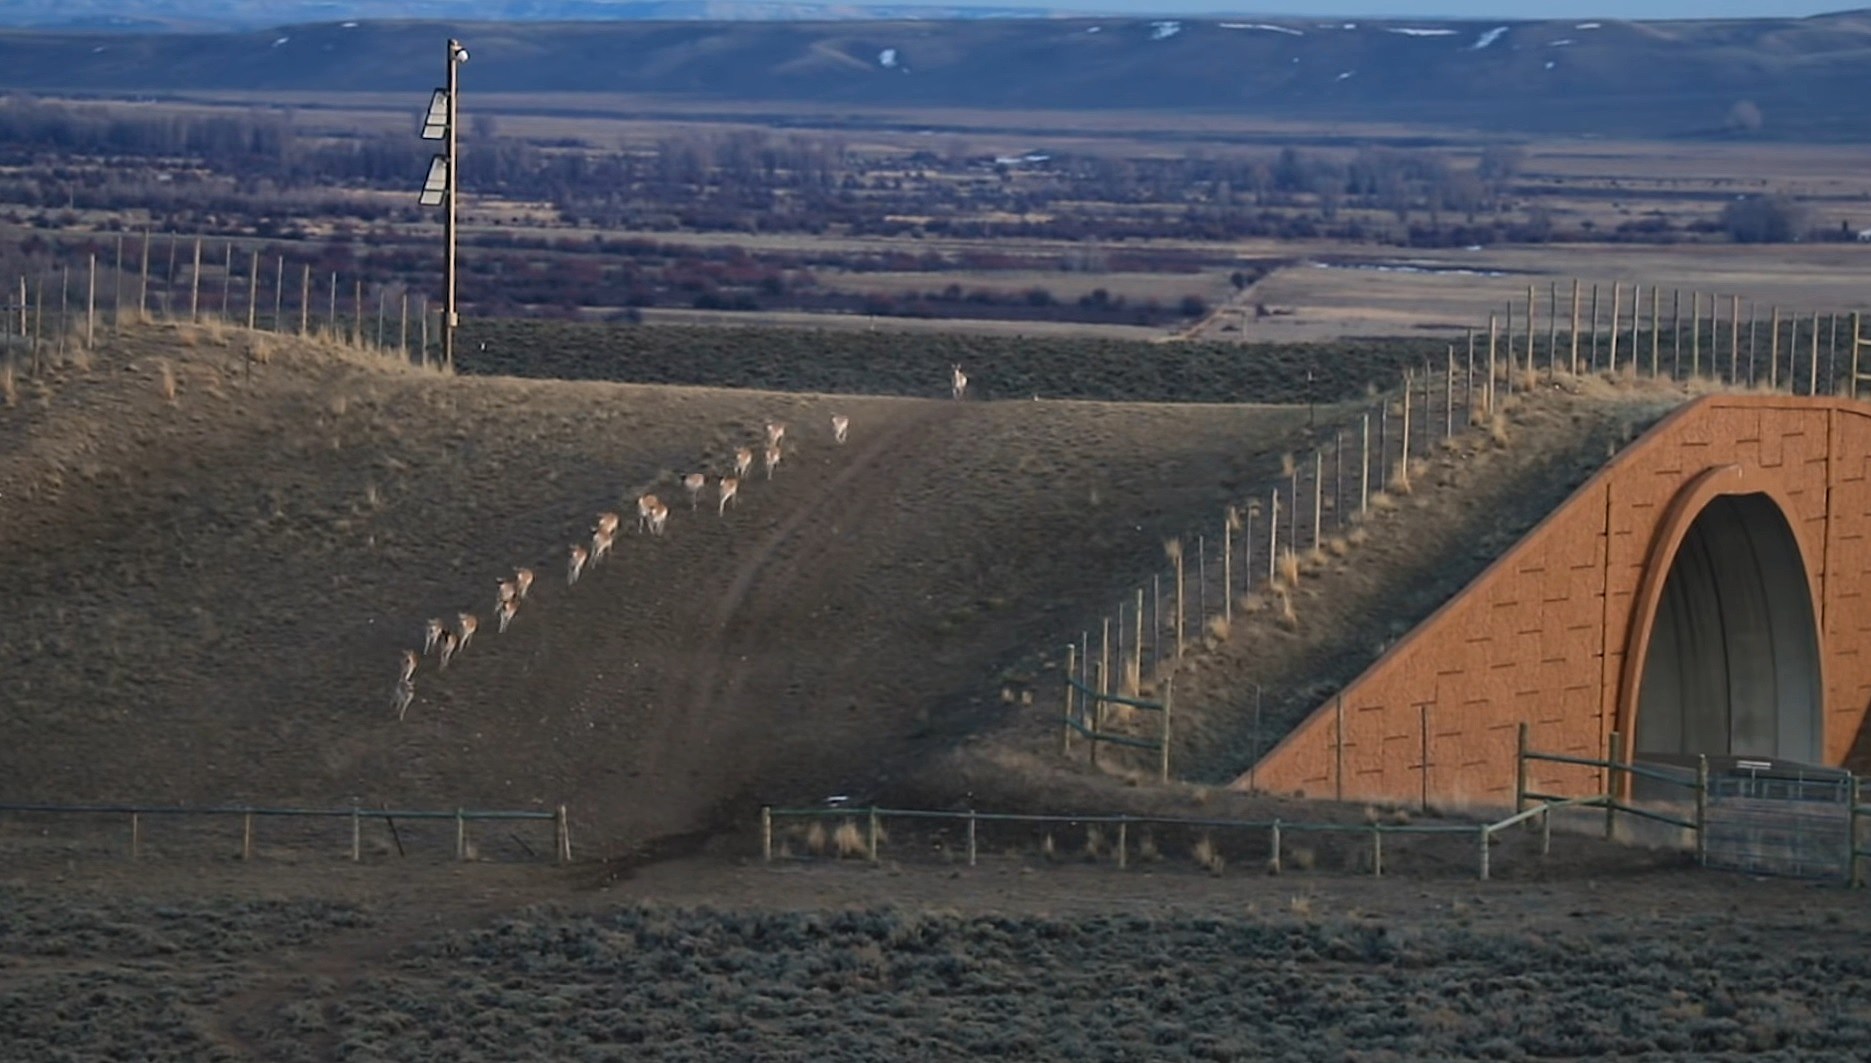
<point>174,15</point>
<point>1779,78</point>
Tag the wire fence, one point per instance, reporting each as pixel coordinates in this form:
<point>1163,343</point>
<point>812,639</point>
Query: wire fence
<point>357,816</point>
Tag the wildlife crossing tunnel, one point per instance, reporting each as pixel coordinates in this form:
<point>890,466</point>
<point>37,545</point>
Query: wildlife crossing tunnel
<point>1708,591</point>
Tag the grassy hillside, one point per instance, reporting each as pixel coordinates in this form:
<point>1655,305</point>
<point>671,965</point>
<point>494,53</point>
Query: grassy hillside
<point>217,551</point>
<point>1806,77</point>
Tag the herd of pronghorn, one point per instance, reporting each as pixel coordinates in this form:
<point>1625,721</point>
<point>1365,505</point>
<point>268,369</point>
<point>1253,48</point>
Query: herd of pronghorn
<point>444,643</point>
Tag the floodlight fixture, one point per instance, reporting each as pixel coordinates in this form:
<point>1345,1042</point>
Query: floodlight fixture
<point>435,188</point>
<point>435,123</point>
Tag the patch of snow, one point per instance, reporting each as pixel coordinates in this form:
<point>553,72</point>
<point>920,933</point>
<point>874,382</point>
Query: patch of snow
<point>1550,64</point>
<point>98,49</point>
<point>1435,269</point>
<point>1094,29</point>
<point>1589,26</point>
<point>283,40</point>
<point>1269,27</point>
<point>348,25</point>
<point>1409,32</point>
<point>1561,42</point>
<point>1345,75</point>
<point>1351,25</point>
<point>887,58</point>
<point>1489,38</point>
<point>1160,31</point>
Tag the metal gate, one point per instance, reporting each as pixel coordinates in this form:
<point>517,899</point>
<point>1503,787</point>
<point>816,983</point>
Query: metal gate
<point>1778,817</point>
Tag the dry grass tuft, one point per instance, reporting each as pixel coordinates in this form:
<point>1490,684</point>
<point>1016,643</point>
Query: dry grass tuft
<point>1172,549</point>
<point>1302,857</point>
<point>1399,484</point>
<point>1383,501</point>
<point>1289,618</point>
<point>1315,558</point>
<point>1146,848</point>
<point>1287,465</point>
<point>9,386</point>
<point>1497,429</point>
<point>849,840</point>
<point>1252,603</point>
<point>1046,847</point>
<point>816,839</point>
<point>1208,856</point>
<point>259,349</point>
<point>1300,905</point>
<point>165,381</point>
<point>1199,796</point>
<point>1219,627</point>
<point>1288,569</point>
<point>1337,545</point>
<point>1094,843</point>
<point>1358,537</point>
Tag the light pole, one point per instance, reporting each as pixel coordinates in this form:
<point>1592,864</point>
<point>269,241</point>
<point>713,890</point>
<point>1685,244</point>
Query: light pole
<point>442,123</point>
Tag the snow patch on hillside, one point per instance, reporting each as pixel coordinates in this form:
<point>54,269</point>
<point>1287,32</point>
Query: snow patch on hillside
<point>1488,38</point>
<point>1267,26</point>
<point>1160,31</point>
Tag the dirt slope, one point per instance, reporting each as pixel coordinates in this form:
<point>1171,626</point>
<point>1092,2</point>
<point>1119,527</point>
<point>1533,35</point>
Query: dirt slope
<point>208,596</point>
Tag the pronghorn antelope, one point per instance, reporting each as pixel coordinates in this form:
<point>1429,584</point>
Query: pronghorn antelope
<point>409,665</point>
<point>607,522</point>
<point>730,486</point>
<point>646,504</point>
<point>449,645</point>
<point>469,624</point>
<point>432,635</point>
<point>504,615</point>
<point>743,461</point>
<point>658,516</point>
<point>958,381</point>
<point>600,545</point>
<point>574,564</point>
<point>840,425</point>
<point>775,432</point>
<point>506,592</point>
<point>693,484</point>
<point>405,693</point>
<point>773,458</point>
<point>523,581</point>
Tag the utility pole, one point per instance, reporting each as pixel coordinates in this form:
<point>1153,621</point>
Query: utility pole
<point>442,123</point>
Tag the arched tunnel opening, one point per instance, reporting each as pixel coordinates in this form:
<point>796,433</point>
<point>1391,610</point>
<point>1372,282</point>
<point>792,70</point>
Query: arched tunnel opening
<point>1733,662</point>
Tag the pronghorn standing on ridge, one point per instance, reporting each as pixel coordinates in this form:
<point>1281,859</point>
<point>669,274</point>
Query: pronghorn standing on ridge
<point>405,693</point>
<point>600,545</point>
<point>693,484</point>
<point>958,382</point>
<point>773,458</point>
<point>743,461</point>
<point>607,522</point>
<point>523,581</point>
<point>646,504</point>
<point>507,591</point>
<point>776,431</point>
<point>730,487</point>
<point>468,625</point>
<point>449,645</point>
<point>657,516</point>
<point>840,425</point>
<point>431,635</point>
<point>409,666</point>
<point>574,564</point>
<point>503,616</point>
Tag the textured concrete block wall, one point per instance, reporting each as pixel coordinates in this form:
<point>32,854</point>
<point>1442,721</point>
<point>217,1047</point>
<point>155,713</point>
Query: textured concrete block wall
<point>1541,636</point>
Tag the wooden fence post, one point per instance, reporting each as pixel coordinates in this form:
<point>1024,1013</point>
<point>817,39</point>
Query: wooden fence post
<point>1773,352</point>
<point>1520,769</point>
<point>1812,380</point>
<point>1318,498</point>
<point>1734,339</point>
<point>136,836</point>
<point>194,286</point>
<point>142,291</point>
<point>1273,533</point>
<point>1169,704</point>
<point>1617,311</point>
<point>1123,842</point>
<point>1482,858</point>
<point>461,836</point>
<point>1575,326</point>
<point>305,299</point>
<point>279,292</point>
<point>1403,466</point>
<point>1494,336</point>
<point>1702,809</point>
<point>246,836</point>
<point>875,839</point>
<point>1364,466</point>
<point>1273,847</point>
<point>357,836</point>
<point>971,838</point>
<point>1377,850</point>
<point>766,834</point>
<point>1594,329</point>
<point>253,291</point>
<point>1695,335</point>
<point>565,836</point>
<point>1611,785</point>
<point>90,306</point>
<point>1656,331</point>
<point>1676,334</point>
<point>1071,668</point>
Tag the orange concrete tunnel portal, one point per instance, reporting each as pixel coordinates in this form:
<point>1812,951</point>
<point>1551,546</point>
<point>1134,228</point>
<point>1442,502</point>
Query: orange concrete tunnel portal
<point>1708,591</point>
